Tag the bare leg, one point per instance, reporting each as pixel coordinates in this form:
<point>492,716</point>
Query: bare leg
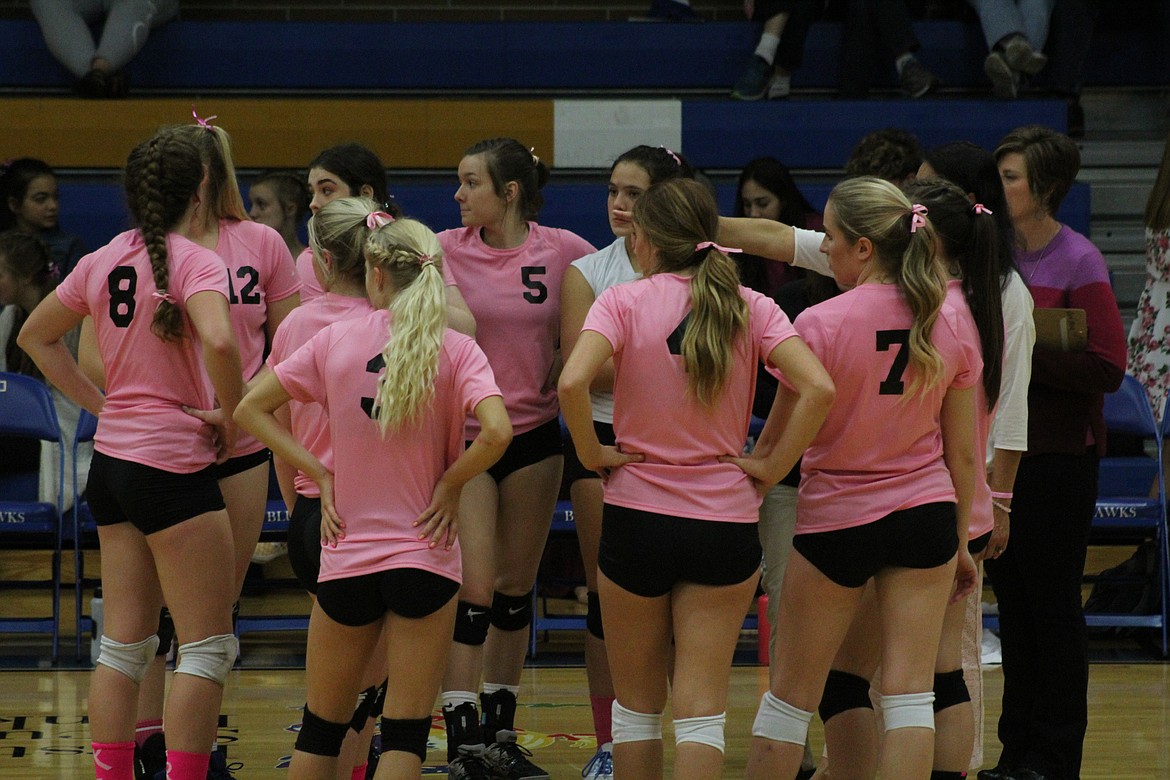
<point>246,496</point>
<point>477,531</point>
<point>851,737</point>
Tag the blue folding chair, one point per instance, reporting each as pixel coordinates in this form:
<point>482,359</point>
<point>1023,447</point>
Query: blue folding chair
<point>1124,500</point>
<point>83,530</point>
<point>26,410</point>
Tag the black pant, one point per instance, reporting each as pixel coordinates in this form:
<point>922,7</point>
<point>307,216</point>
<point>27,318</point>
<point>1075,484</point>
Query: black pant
<point>875,33</point>
<point>801,15</point>
<point>1042,624</point>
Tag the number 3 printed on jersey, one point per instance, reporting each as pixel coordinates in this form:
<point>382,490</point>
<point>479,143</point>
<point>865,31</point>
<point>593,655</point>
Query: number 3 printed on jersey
<point>894,383</point>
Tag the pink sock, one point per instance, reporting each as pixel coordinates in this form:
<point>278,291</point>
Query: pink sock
<point>187,766</point>
<point>359,772</point>
<point>602,718</point>
<point>113,760</point>
<point>146,728</point>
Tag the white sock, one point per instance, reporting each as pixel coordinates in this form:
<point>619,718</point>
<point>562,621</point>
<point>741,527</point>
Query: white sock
<point>452,699</point>
<point>490,688</point>
<point>902,61</point>
<point>766,49</point>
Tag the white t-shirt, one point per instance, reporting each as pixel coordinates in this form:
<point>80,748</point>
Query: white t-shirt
<point>1010,429</point>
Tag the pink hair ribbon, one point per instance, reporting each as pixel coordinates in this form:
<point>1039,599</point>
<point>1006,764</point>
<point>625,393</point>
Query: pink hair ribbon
<point>981,209</point>
<point>425,260</point>
<point>163,295</point>
<point>918,214</point>
<point>204,123</point>
<point>712,245</point>
<point>674,156</point>
<point>376,219</point>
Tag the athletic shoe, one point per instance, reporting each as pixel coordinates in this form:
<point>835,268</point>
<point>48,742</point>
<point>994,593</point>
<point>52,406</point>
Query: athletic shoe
<point>990,651</point>
<point>151,757</point>
<point>753,84</point>
<point>218,767</point>
<point>668,11</point>
<point>779,87</point>
<point>600,767</point>
<point>1005,82</point>
<point>1020,56</point>
<point>469,764</point>
<point>916,80</point>
<point>999,772</point>
<point>508,759</point>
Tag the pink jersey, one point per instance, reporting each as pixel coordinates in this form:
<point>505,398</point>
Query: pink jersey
<point>260,272</point>
<point>879,450</point>
<point>310,287</point>
<point>148,380</point>
<point>515,295</point>
<point>656,415</point>
<point>310,424</point>
<point>382,485</point>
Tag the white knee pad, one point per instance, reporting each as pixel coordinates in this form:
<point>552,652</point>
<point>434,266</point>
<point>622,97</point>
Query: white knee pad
<point>704,729</point>
<point>131,660</point>
<point>779,721</point>
<point>630,726</point>
<point>909,711</point>
<point>211,658</point>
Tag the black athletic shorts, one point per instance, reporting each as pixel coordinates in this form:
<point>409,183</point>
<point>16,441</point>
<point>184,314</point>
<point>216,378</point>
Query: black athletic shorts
<point>360,600</point>
<point>920,537</point>
<point>241,463</point>
<point>573,468</point>
<point>647,553</point>
<point>121,491</point>
<point>304,541</point>
<point>528,448</point>
<point>979,543</point>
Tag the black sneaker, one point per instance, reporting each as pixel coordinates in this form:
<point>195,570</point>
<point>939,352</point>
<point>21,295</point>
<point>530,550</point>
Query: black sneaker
<point>218,767</point>
<point>508,759</point>
<point>151,757</point>
<point>469,764</point>
<point>916,80</point>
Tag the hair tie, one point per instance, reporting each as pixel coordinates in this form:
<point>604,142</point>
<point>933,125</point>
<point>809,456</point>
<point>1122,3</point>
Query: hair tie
<point>532,151</point>
<point>918,214</point>
<point>979,208</point>
<point>376,219</point>
<point>425,260</point>
<point>204,123</point>
<point>674,156</point>
<point>54,270</point>
<point>712,245</point>
<point>163,296</point>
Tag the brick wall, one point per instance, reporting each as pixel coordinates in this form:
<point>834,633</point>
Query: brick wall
<point>422,10</point>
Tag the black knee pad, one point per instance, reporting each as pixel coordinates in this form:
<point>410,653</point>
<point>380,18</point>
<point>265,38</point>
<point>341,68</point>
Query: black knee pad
<point>593,616</point>
<point>407,735</point>
<point>471,623</point>
<point>166,632</point>
<point>319,736</point>
<point>365,706</point>
<point>950,689</point>
<point>511,613</point>
<point>843,691</point>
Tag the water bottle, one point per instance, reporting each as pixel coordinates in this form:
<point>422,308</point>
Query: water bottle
<point>95,612</point>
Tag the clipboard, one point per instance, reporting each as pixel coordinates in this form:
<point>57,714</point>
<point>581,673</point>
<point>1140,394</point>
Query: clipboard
<point>1063,330</point>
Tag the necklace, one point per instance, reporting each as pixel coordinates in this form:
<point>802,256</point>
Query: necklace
<point>1039,260</point>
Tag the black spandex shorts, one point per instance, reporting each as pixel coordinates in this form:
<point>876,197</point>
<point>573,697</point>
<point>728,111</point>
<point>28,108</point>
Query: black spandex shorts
<point>411,593</point>
<point>241,463</point>
<point>527,448</point>
<point>121,491</point>
<point>921,537</point>
<point>573,468</point>
<point>304,541</point>
<point>647,553</point>
<point>979,543</point>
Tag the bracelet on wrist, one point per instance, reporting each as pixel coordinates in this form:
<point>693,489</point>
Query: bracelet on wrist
<point>1002,507</point>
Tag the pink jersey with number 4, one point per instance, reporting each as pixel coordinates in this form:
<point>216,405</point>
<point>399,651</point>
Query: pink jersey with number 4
<point>382,484</point>
<point>656,415</point>
<point>880,449</point>
<point>310,424</point>
<point>148,380</point>
<point>515,295</point>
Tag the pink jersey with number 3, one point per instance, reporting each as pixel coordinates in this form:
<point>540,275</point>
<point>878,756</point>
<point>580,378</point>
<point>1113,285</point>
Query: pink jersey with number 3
<point>515,295</point>
<point>880,449</point>
<point>382,484</point>
<point>148,380</point>
<point>656,415</point>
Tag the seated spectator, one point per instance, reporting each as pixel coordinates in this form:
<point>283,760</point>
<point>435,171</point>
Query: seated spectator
<point>280,199</point>
<point>31,202</point>
<point>124,25</point>
<point>892,154</point>
<point>1016,31</point>
<point>767,190</point>
<point>780,50</point>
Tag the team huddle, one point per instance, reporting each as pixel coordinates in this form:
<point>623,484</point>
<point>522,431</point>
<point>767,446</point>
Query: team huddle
<point>408,388</point>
